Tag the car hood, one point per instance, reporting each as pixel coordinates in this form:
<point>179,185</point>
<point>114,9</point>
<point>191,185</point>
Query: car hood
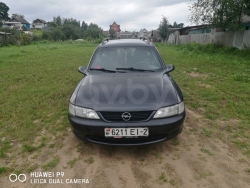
<point>126,92</point>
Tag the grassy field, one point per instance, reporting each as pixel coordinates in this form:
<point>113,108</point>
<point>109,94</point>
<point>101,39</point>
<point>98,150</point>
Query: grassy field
<point>216,83</point>
<point>36,82</point>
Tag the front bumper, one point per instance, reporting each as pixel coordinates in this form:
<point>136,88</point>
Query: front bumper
<point>159,130</point>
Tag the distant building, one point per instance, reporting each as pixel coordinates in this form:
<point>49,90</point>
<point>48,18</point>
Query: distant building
<point>246,22</point>
<point>154,36</point>
<point>151,35</point>
<point>12,25</point>
<point>22,21</point>
<point>143,33</point>
<point>115,27</point>
<point>126,35</point>
<point>39,24</point>
<point>106,33</point>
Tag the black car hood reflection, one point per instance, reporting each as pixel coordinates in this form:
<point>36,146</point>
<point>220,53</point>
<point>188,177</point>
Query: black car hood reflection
<point>131,91</point>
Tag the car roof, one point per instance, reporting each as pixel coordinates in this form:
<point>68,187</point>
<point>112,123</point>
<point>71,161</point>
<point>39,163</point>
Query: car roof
<point>125,42</point>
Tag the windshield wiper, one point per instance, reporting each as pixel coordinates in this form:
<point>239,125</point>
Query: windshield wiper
<point>103,70</point>
<point>133,69</point>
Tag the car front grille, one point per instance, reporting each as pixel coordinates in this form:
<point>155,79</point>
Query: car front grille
<point>134,116</point>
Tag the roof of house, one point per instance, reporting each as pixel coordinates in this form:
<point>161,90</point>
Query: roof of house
<point>143,31</point>
<point>115,24</point>
<point>22,20</point>
<point>127,33</point>
<point>39,21</point>
<point>245,19</point>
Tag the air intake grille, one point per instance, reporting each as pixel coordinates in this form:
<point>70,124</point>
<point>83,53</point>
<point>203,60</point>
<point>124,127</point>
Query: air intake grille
<point>135,116</point>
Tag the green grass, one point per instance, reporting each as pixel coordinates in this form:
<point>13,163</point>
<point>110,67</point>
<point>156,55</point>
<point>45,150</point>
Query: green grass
<point>2,170</point>
<point>162,178</point>
<point>202,175</point>
<point>220,85</point>
<point>203,150</point>
<point>72,162</point>
<point>35,84</point>
<point>89,160</point>
<point>175,141</point>
<point>51,164</point>
<point>37,32</point>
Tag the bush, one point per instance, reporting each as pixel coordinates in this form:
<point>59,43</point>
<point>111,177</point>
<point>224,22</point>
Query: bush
<point>36,38</point>
<point>45,35</point>
<point>23,39</point>
<point>212,48</point>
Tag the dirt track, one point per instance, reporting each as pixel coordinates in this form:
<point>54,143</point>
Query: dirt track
<point>191,160</point>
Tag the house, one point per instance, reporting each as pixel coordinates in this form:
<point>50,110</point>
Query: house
<point>246,22</point>
<point>39,24</point>
<point>126,35</point>
<point>12,25</point>
<point>198,29</point>
<point>154,36</point>
<point>106,33</point>
<point>115,27</point>
<point>142,33</point>
<point>22,21</point>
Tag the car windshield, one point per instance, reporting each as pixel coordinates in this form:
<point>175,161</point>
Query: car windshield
<point>136,57</point>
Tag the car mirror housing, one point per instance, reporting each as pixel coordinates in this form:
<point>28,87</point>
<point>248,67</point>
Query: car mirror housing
<point>82,70</point>
<point>169,68</point>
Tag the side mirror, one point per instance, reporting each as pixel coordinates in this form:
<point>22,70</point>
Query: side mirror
<point>169,68</point>
<point>82,70</point>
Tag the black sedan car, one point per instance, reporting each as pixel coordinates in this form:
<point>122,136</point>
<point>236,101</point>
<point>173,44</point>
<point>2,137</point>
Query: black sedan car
<point>126,96</point>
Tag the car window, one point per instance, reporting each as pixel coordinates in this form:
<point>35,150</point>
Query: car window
<point>125,57</point>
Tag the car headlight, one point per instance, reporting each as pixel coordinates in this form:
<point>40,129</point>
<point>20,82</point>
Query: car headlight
<point>170,110</point>
<point>82,112</point>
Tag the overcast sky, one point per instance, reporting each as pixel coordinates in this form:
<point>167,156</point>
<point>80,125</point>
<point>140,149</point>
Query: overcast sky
<point>130,15</point>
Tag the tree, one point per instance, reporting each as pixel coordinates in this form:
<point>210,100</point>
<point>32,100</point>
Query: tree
<point>71,21</point>
<point>17,16</point>
<point>84,26</point>
<point>93,25</point>
<point>71,32</point>
<point>93,31</point>
<point>180,25</point>
<point>112,33</point>
<point>220,13</point>
<point>58,21</point>
<point>175,25</point>
<point>4,12</point>
<point>163,28</point>
<point>51,24</point>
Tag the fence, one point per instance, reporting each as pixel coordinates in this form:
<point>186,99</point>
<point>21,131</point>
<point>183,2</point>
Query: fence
<point>238,39</point>
<point>5,38</point>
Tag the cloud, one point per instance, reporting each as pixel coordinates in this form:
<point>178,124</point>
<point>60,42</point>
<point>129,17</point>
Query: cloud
<point>132,15</point>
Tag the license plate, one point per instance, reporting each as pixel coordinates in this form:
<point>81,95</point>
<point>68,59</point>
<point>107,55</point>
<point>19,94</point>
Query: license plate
<point>126,132</point>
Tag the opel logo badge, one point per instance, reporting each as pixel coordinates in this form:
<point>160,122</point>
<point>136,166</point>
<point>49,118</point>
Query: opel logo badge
<point>126,116</point>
